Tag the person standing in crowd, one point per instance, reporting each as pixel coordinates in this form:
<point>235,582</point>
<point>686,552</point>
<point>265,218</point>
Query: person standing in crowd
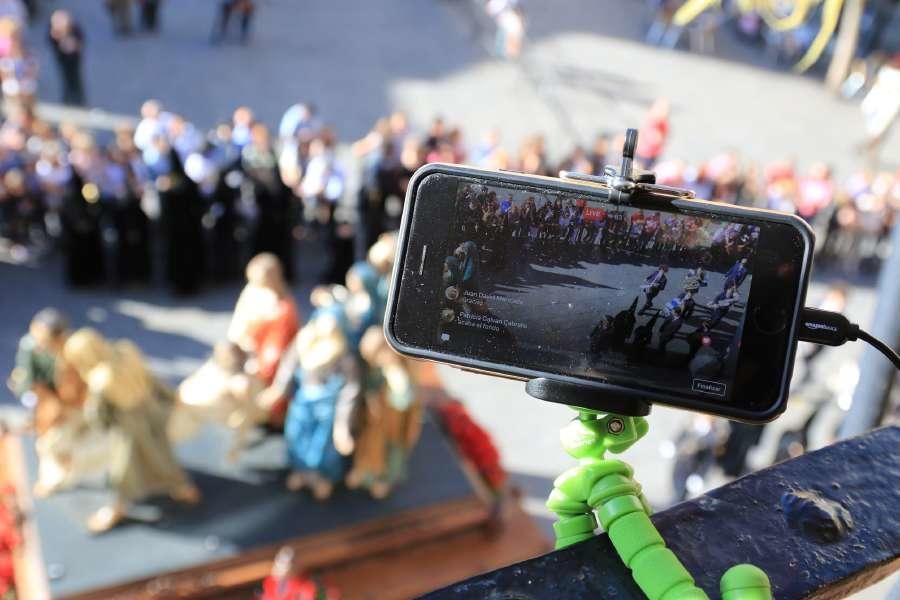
<point>18,69</point>
<point>242,121</point>
<point>154,122</point>
<point>82,239</point>
<point>150,15</point>
<point>240,9</point>
<point>370,152</point>
<point>123,183</point>
<point>298,121</point>
<point>67,41</point>
<point>216,171</point>
<point>654,133</point>
<point>120,13</point>
<point>181,212</point>
<point>273,230</point>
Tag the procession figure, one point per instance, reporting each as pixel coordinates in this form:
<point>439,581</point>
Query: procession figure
<point>635,231</point>
<point>669,328</point>
<point>134,407</point>
<point>643,335</point>
<point>623,325</point>
<point>736,274</point>
<point>721,304</point>
<point>650,233</point>
<point>654,284</point>
<point>391,418</point>
<point>694,280</point>
<point>683,304</point>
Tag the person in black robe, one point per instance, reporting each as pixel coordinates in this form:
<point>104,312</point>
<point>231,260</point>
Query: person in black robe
<point>216,171</point>
<point>132,255</point>
<point>225,245</point>
<point>80,216</point>
<point>133,262</point>
<point>67,41</point>
<point>273,229</point>
<point>623,325</point>
<point>643,335</point>
<point>181,211</point>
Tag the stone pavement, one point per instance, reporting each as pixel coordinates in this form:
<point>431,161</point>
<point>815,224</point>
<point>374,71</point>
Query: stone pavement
<point>584,70</point>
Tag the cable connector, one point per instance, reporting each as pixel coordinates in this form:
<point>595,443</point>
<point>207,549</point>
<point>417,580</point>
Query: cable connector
<point>833,329</point>
<point>826,327</point>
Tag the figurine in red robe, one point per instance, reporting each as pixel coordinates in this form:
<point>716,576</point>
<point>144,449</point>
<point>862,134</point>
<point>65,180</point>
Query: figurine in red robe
<point>284,582</point>
<point>265,318</point>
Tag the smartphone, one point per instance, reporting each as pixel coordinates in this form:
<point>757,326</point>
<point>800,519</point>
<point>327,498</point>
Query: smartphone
<point>687,303</point>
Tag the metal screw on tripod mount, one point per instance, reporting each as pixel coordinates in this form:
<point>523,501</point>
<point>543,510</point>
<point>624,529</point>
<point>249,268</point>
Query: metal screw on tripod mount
<point>624,182</point>
<point>615,426</point>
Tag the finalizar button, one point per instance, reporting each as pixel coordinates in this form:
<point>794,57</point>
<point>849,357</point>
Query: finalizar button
<point>715,388</point>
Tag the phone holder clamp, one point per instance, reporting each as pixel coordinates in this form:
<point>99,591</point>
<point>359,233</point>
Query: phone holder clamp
<point>626,182</point>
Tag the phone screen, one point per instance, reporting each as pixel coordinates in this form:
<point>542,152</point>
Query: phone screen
<point>574,285</point>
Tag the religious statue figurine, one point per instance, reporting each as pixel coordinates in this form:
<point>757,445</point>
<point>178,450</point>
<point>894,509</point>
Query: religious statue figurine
<point>134,407</point>
<point>318,426</point>
<point>55,392</point>
<point>363,306</point>
<point>391,419</point>
<point>265,318</point>
<point>286,581</point>
<point>223,390</point>
<point>381,256</point>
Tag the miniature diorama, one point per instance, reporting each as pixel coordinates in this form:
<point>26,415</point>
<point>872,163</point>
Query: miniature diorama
<point>298,436</point>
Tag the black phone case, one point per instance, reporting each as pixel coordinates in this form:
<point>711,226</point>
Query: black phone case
<point>579,186</point>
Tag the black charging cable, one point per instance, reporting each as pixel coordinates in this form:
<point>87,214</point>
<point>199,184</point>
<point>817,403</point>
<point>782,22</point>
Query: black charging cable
<point>833,329</point>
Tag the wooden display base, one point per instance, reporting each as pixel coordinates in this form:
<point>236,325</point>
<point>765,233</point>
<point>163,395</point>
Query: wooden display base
<point>437,527</point>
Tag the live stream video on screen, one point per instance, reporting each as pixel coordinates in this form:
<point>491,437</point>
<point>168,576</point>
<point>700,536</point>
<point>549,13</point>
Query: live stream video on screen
<point>589,288</point>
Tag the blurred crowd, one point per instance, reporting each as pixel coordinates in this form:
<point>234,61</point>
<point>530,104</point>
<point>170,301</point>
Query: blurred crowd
<point>167,193</point>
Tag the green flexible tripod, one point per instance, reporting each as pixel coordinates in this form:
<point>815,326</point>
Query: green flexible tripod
<point>602,490</point>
